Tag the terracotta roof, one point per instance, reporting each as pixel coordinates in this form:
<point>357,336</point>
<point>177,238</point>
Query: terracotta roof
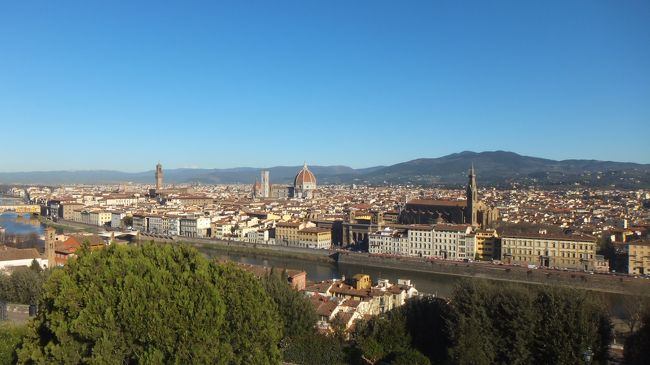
<point>10,254</point>
<point>304,176</point>
<point>442,203</point>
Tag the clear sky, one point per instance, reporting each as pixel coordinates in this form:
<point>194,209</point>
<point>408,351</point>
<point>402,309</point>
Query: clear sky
<point>125,84</point>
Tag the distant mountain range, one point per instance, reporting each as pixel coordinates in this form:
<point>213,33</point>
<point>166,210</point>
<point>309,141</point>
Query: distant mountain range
<point>496,168</point>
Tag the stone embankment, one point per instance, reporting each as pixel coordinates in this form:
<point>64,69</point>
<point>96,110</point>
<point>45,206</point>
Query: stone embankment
<point>622,284</point>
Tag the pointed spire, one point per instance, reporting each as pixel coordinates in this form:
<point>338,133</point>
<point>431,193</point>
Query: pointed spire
<point>304,166</point>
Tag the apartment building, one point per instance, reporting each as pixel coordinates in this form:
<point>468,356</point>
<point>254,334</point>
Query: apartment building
<point>549,250</point>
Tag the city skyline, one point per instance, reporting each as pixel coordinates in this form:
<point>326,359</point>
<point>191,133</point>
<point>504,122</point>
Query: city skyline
<point>364,84</point>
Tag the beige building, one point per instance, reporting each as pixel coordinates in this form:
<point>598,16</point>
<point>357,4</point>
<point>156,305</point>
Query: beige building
<point>639,257</point>
<point>286,233</point>
<point>549,250</point>
<point>486,244</point>
<point>314,237</point>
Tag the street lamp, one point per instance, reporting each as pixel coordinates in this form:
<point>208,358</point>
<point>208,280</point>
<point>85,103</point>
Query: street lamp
<point>588,354</point>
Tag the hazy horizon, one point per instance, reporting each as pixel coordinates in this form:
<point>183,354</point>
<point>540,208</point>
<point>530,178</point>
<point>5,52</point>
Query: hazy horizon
<point>152,167</point>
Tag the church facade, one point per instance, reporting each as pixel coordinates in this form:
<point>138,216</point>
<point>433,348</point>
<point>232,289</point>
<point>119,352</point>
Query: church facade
<point>470,211</point>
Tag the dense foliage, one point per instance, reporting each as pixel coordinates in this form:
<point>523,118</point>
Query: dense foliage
<point>297,314</point>
<point>23,285</point>
<point>10,337</point>
<point>489,324</point>
<point>152,304</point>
<point>638,344</point>
<point>167,304</point>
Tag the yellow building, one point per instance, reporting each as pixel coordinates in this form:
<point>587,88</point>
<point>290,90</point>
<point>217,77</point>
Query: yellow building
<point>315,237</point>
<point>549,250</point>
<point>361,281</point>
<point>486,244</point>
<point>286,233</point>
<point>639,257</point>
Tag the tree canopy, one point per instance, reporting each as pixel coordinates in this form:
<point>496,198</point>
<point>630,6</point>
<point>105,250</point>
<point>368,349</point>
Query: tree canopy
<point>23,285</point>
<point>487,323</point>
<point>152,304</point>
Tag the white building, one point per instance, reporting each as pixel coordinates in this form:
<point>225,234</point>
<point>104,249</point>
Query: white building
<point>140,223</point>
<point>194,226</point>
<point>389,241</point>
<point>15,257</point>
<point>450,241</point>
<point>116,219</point>
<point>420,240</point>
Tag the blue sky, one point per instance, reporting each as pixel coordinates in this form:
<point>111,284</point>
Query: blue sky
<point>125,84</point>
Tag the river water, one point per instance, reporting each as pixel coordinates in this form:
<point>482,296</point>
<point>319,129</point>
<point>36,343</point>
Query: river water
<point>441,285</point>
<point>20,224</point>
<point>428,283</point>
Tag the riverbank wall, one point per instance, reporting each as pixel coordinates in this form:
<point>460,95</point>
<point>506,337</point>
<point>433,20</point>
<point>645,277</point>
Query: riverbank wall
<point>597,282</point>
<point>610,283</point>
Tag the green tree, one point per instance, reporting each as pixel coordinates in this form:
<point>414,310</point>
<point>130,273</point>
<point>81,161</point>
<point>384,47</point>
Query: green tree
<point>428,327</point>
<point>569,323</point>
<point>314,349</point>
<point>512,325</point>
<point>410,357</point>
<point>127,221</point>
<point>23,286</point>
<point>151,304</point>
<point>638,343</point>
<point>298,315</point>
<point>253,327</point>
<point>10,338</point>
<point>382,337</point>
<point>470,328</point>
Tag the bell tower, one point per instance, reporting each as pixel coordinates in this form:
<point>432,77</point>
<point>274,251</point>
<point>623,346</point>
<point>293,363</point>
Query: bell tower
<point>50,247</point>
<point>472,198</point>
<point>159,177</point>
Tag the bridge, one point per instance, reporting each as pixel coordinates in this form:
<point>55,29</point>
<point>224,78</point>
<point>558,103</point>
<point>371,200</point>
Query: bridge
<point>21,208</point>
<point>119,235</point>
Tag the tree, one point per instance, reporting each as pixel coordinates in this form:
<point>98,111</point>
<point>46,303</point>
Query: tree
<point>314,349</point>
<point>253,327</point>
<point>633,309</point>
<point>428,327</point>
<point>569,322</point>
<point>513,324</point>
<point>638,343</point>
<point>382,337</point>
<point>10,337</point>
<point>471,324</point>
<point>23,286</point>
<point>297,314</point>
<point>151,304</point>
<point>410,357</point>
<point>127,221</point>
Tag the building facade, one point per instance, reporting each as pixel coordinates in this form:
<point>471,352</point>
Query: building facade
<point>548,250</point>
<point>469,211</point>
<point>159,177</point>
<point>639,257</point>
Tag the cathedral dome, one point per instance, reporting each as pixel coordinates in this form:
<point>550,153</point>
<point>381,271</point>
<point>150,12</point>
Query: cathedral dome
<point>305,178</point>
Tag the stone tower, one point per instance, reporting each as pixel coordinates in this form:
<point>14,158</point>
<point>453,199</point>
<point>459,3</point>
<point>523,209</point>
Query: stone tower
<point>472,198</point>
<point>50,246</point>
<point>159,177</point>
<point>266,186</point>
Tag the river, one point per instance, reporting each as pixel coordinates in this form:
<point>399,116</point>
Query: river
<point>20,224</point>
<point>428,283</point>
<point>440,285</point>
